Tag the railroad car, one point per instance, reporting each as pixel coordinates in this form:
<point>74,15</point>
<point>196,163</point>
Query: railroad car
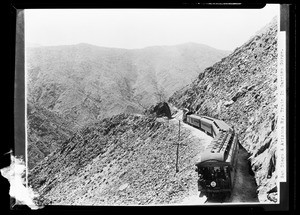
<point>217,167</point>
<point>209,125</point>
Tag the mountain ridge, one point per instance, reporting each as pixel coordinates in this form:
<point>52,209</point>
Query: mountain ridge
<point>85,83</point>
<point>90,68</point>
<point>34,46</point>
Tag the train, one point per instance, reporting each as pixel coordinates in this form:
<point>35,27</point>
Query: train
<point>218,162</point>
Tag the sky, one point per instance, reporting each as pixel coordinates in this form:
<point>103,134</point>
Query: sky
<point>224,29</point>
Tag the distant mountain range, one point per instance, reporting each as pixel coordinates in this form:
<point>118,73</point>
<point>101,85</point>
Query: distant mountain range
<point>77,84</point>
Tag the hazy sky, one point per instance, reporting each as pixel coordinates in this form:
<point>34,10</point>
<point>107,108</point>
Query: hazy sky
<point>138,28</point>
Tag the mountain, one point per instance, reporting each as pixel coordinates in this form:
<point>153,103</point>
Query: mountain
<point>241,89</point>
<point>85,82</point>
<point>70,86</point>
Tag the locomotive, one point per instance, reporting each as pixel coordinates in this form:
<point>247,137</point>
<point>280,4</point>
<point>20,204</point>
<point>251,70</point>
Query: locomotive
<point>217,167</point>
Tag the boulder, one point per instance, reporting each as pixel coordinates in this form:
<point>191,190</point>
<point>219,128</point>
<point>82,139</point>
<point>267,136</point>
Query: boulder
<point>123,186</point>
<point>228,103</point>
<point>201,75</point>
<point>241,92</point>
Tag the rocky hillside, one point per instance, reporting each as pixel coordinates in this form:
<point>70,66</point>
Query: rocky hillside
<point>122,160</point>
<point>241,89</point>
<point>45,130</point>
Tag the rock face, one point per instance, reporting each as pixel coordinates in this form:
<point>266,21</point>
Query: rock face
<point>122,160</point>
<point>241,89</point>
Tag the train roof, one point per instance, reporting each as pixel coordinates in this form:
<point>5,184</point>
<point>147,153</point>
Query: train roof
<point>208,156</point>
<point>220,123</point>
<point>209,118</point>
<point>195,116</point>
<point>206,120</point>
<point>217,149</point>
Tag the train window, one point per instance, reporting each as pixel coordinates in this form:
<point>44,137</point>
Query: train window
<point>211,173</point>
<point>227,169</point>
<point>224,173</point>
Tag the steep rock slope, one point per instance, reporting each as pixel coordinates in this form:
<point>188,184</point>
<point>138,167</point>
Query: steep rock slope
<point>122,160</point>
<point>241,89</point>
